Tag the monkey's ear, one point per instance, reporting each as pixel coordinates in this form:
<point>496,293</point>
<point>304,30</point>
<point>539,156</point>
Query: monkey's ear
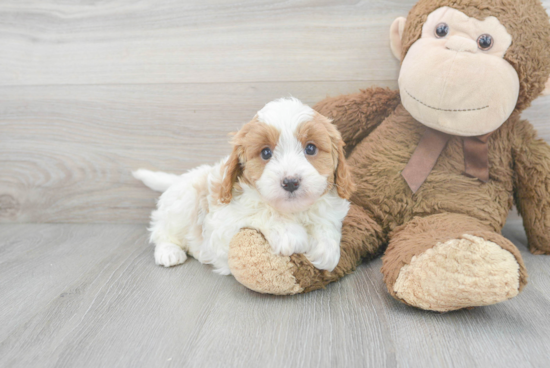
<point>546,90</point>
<point>396,34</point>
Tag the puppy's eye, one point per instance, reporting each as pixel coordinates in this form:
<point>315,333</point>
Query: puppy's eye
<point>266,153</point>
<point>311,149</point>
<point>441,30</point>
<point>485,42</point>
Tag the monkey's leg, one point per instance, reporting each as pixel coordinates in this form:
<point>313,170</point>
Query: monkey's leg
<point>255,266</point>
<point>447,261</point>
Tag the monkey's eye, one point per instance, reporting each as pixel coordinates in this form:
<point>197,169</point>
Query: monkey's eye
<point>311,149</point>
<point>485,42</point>
<point>441,30</point>
<point>266,153</point>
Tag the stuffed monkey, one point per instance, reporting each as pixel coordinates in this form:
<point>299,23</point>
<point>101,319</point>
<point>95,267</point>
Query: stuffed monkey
<point>439,163</point>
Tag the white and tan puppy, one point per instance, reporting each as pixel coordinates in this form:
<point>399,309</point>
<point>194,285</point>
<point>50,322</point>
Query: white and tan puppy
<point>286,177</point>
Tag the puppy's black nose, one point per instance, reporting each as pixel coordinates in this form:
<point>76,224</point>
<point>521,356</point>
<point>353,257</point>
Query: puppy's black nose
<point>290,184</point>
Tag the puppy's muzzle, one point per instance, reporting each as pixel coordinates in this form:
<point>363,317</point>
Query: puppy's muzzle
<point>290,184</point>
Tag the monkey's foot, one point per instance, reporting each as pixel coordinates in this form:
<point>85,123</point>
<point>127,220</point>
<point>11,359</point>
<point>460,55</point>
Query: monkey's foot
<point>459,273</point>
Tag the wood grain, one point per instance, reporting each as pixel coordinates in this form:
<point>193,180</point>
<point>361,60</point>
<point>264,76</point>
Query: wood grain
<point>67,152</point>
<point>90,91</point>
<point>91,296</point>
<point>196,41</point>
<point>50,258</point>
<point>53,42</point>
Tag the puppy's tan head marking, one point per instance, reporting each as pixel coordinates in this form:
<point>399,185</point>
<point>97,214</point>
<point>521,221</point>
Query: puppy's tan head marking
<point>245,162</point>
<point>330,157</point>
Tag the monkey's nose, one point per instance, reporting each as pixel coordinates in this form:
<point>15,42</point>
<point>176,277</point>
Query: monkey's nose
<point>461,44</point>
<point>290,184</point>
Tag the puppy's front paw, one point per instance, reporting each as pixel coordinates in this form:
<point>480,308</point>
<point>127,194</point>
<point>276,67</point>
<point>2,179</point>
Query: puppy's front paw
<point>168,254</point>
<point>324,253</point>
<point>288,239</point>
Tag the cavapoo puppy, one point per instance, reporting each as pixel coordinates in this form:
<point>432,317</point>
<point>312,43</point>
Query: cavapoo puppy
<point>286,177</point>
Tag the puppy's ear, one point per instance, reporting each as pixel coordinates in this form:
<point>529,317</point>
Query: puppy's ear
<point>342,174</point>
<point>343,179</point>
<point>233,168</point>
<point>231,171</point>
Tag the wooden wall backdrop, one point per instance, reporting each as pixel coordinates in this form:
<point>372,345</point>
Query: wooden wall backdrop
<point>91,90</point>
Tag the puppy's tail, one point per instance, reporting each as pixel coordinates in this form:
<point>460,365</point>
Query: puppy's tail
<point>156,180</point>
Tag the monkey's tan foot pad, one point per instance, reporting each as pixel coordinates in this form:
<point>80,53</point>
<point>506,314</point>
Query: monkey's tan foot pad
<point>460,273</point>
<point>254,265</point>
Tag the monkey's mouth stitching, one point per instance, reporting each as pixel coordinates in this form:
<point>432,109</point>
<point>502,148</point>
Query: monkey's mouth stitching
<point>452,110</point>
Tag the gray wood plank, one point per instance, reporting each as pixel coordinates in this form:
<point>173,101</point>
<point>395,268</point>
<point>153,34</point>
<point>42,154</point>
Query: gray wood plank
<point>67,151</point>
<point>123,311</point>
<point>48,42</point>
<point>170,41</point>
<point>38,263</point>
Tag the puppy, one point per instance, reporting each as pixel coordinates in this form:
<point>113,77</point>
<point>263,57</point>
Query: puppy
<point>286,177</point>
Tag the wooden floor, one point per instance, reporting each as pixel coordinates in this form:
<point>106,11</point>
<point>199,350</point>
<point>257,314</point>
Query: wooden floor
<point>91,296</point>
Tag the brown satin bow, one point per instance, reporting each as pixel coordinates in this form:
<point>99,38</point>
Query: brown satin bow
<point>432,143</point>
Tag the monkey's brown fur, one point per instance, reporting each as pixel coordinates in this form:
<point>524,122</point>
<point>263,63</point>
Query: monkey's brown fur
<point>380,137</point>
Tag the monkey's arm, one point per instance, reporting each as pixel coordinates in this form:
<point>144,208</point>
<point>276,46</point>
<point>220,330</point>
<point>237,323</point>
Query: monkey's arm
<point>356,115</point>
<point>532,185</point>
